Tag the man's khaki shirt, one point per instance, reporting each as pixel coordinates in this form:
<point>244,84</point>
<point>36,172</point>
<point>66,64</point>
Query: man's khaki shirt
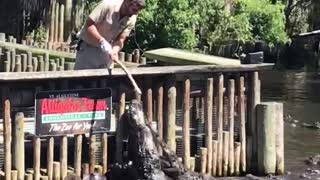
<point>106,16</point>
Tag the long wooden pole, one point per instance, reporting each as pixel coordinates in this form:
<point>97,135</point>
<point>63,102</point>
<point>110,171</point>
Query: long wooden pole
<point>220,123</point>
<point>136,88</point>
<point>203,157</point>
<point>160,111</point>
<point>64,156</point>
<point>186,124</point>
<point>7,140</point>
<point>36,157</point>
<point>225,159</point>
<point>149,101</point>
<point>77,154</point>
<point>171,114</point>
<point>208,123</point>
<point>50,155</point>
<point>92,153</point>
<point>242,120</point>
<point>254,99</point>
<point>104,153</point>
<point>18,150</point>
<point>231,90</point>
<point>279,139</point>
<point>214,157</point>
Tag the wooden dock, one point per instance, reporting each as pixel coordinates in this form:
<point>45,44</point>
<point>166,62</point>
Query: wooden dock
<point>206,114</point>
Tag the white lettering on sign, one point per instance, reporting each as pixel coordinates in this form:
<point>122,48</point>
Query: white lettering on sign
<point>62,127</point>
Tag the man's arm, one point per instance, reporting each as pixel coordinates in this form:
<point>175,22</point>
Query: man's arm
<point>118,45</point>
<point>92,32</point>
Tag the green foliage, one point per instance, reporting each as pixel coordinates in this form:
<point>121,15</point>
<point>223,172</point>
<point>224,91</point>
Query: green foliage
<point>267,20</point>
<point>165,24</point>
<point>253,20</point>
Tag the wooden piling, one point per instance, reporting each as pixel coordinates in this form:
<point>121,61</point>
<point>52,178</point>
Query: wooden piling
<point>186,124</point>
<point>128,57</point>
<point>231,87</point>
<point>7,140</point>
<point>143,60</point>
<point>92,153</point>
<point>56,170</point>
<point>46,62</point>
<point>149,100</point>
<point>279,139</point>
<point>36,157</point>
<point>242,120</point>
<point>225,160</point>
<point>14,175</point>
<point>50,150</point>
<point>44,178</point>
<point>18,66</point>
<point>192,162</point>
<point>203,157</point>
<point>8,62</point>
<point>214,157</point>
<point>70,66</point>
<point>64,156</point>
<point>136,55</point>
<point>104,153</point>
<point>13,60</point>
<point>29,60</point>
<point>52,18</point>
<point>266,131</point>
<point>119,135</point>
<point>24,59</point>
<point>35,64</point>
<point>237,150</point>
<point>253,100</point>
<point>28,177</point>
<point>122,56</point>
<point>77,154</point>
<point>170,128</point>
<point>56,23</point>
<point>2,37</point>
<point>160,111</point>
<point>220,124</point>
<point>208,123</point>
<point>61,23</point>
<point>53,66</point>
<point>41,64</point>
<point>18,145</point>
<point>85,170</point>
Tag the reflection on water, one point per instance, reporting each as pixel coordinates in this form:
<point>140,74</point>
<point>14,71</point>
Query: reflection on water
<point>300,93</point>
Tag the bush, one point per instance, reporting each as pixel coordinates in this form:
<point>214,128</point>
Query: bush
<point>253,20</point>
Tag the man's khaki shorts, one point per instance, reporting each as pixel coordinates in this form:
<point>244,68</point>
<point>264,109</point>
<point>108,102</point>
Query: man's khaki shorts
<point>90,57</point>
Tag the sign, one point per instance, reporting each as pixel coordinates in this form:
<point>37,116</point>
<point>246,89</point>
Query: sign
<point>73,111</point>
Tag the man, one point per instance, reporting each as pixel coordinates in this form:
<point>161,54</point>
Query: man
<point>105,31</point>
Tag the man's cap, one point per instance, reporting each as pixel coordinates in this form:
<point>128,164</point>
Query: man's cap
<point>140,2</point>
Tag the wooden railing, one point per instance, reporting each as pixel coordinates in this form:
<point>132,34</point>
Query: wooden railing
<point>33,57</point>
<point>206,114</point>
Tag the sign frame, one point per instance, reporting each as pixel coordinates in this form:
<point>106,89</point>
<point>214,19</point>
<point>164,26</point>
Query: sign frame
<point>73,111</point>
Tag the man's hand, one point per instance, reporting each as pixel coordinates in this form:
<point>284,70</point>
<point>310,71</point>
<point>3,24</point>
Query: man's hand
<point>105,46</point>
<point>114,55</point>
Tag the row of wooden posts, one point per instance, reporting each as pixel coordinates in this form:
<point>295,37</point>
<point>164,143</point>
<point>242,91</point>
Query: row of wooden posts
<point>26,62</point>
<point>17,60</point>
<point>222,155</point>
<point>248,137</point>
<point>14,165</point>
<point>41,57</point>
